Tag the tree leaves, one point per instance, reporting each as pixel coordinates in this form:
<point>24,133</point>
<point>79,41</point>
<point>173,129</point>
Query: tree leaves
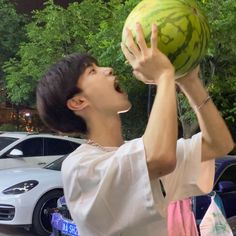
<point>95,26</point>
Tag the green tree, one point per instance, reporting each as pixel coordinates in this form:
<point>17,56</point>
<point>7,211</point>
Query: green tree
<point>11,34</point>
<point>218,67</point>
<point>105,45</point>
<point>222,59</point>
<point>55,32</point>
<point>52,33</point>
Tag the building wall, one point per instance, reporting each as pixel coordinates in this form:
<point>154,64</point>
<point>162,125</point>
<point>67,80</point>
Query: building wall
<point>5,115</point>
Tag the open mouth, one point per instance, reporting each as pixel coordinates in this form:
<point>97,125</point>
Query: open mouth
<point>117,86</point>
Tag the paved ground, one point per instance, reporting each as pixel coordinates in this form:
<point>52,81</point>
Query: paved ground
<point>12,231</point>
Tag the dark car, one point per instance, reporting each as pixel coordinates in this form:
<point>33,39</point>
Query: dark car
<point>224,186</point>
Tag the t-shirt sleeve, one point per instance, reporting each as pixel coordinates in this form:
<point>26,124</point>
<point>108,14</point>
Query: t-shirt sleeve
<point>192,177</point>
<point>109,193</point>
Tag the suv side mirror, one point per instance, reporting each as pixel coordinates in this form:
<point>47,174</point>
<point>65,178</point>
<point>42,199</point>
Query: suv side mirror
<point>15,153</point>
<point>226,186</point>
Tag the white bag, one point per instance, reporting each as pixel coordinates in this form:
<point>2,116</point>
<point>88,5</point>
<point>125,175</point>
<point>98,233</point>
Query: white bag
<point>214,222</point>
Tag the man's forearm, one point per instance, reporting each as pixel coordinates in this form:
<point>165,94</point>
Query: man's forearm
<point>217,140</point>
<point>161,133</point>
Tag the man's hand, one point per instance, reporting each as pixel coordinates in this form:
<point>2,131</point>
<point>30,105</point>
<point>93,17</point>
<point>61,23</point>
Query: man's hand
<point>194,74</point>
<point>149,64</point>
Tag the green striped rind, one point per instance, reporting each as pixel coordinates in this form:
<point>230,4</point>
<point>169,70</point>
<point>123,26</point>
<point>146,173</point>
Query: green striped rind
<point>183,31</point>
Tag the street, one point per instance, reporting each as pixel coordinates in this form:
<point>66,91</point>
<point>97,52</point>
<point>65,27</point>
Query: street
<point>14,231</point>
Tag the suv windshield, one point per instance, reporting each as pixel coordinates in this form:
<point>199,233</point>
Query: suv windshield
<point>5,141</point>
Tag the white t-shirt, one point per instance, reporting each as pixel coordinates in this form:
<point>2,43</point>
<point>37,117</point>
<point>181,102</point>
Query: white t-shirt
<point>109,192</point>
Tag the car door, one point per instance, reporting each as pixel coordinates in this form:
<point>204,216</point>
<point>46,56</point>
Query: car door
<point>201,203</point>
<point>30,154</point>
<point>55,148</point>
<point>228,196</point>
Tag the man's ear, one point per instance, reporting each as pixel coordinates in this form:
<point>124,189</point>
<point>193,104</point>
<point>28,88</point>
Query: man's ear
<point>77,103</point>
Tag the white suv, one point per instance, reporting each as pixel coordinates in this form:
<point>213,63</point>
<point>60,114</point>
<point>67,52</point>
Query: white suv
<point>19,149</point>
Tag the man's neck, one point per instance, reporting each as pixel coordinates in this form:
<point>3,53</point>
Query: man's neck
<point>106,131</point>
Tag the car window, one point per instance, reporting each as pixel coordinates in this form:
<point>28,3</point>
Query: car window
<point>31,147</point>
<point>229,174</point>
<point>5,141</point>
<point>58,146</point>
<point>56,165</point>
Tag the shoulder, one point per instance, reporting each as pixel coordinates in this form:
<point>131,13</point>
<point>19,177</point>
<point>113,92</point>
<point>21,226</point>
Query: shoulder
<point>88,158</point>
<point>131,147</point>
<point>74,157</point>
<point>91,157</point>
<point>75,160</point>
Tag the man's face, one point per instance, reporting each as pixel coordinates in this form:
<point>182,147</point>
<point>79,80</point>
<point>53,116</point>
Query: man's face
<point>100,87</point>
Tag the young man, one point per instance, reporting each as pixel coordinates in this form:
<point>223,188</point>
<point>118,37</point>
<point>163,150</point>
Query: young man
<point>113,187</point>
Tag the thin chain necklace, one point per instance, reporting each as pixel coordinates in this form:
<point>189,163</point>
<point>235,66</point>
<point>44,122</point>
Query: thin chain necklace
<point>91,142</point>
<point>105,149</point>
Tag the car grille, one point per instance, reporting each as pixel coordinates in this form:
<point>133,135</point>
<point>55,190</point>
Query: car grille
<point>7,212</point>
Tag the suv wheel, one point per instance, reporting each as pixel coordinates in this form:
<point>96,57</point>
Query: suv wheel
<point>41,223</point>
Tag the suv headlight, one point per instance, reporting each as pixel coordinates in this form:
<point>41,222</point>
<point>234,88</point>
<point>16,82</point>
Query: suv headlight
<point>22,187</point>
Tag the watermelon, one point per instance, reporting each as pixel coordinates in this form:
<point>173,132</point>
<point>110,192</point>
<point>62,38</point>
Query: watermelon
<point>183,31</point>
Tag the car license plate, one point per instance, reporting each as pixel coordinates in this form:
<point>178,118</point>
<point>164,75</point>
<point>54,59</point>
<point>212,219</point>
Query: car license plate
<point>69,229</point>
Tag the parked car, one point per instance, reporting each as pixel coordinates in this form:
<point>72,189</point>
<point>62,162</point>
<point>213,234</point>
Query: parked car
<point>19,149</point>
<point>27,193</point>
<point>224,186</point>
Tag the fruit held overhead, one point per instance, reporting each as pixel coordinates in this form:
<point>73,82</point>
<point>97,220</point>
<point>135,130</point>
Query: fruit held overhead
<point>183,31</point>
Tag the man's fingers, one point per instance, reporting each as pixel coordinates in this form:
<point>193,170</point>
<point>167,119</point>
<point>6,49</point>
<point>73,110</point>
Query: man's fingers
<point>140,38</point>
<point>129,56</point>
<point>131,45</point>
<point>154,37</point>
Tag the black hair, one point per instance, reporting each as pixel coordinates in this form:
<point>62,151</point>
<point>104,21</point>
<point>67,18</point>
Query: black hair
<point>57,86</point>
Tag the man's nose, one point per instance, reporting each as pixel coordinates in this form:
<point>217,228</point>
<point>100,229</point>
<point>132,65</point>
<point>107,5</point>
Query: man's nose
<point>108,71</point>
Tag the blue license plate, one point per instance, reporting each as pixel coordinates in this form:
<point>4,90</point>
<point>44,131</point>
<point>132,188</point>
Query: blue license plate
<point>69,229</point>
